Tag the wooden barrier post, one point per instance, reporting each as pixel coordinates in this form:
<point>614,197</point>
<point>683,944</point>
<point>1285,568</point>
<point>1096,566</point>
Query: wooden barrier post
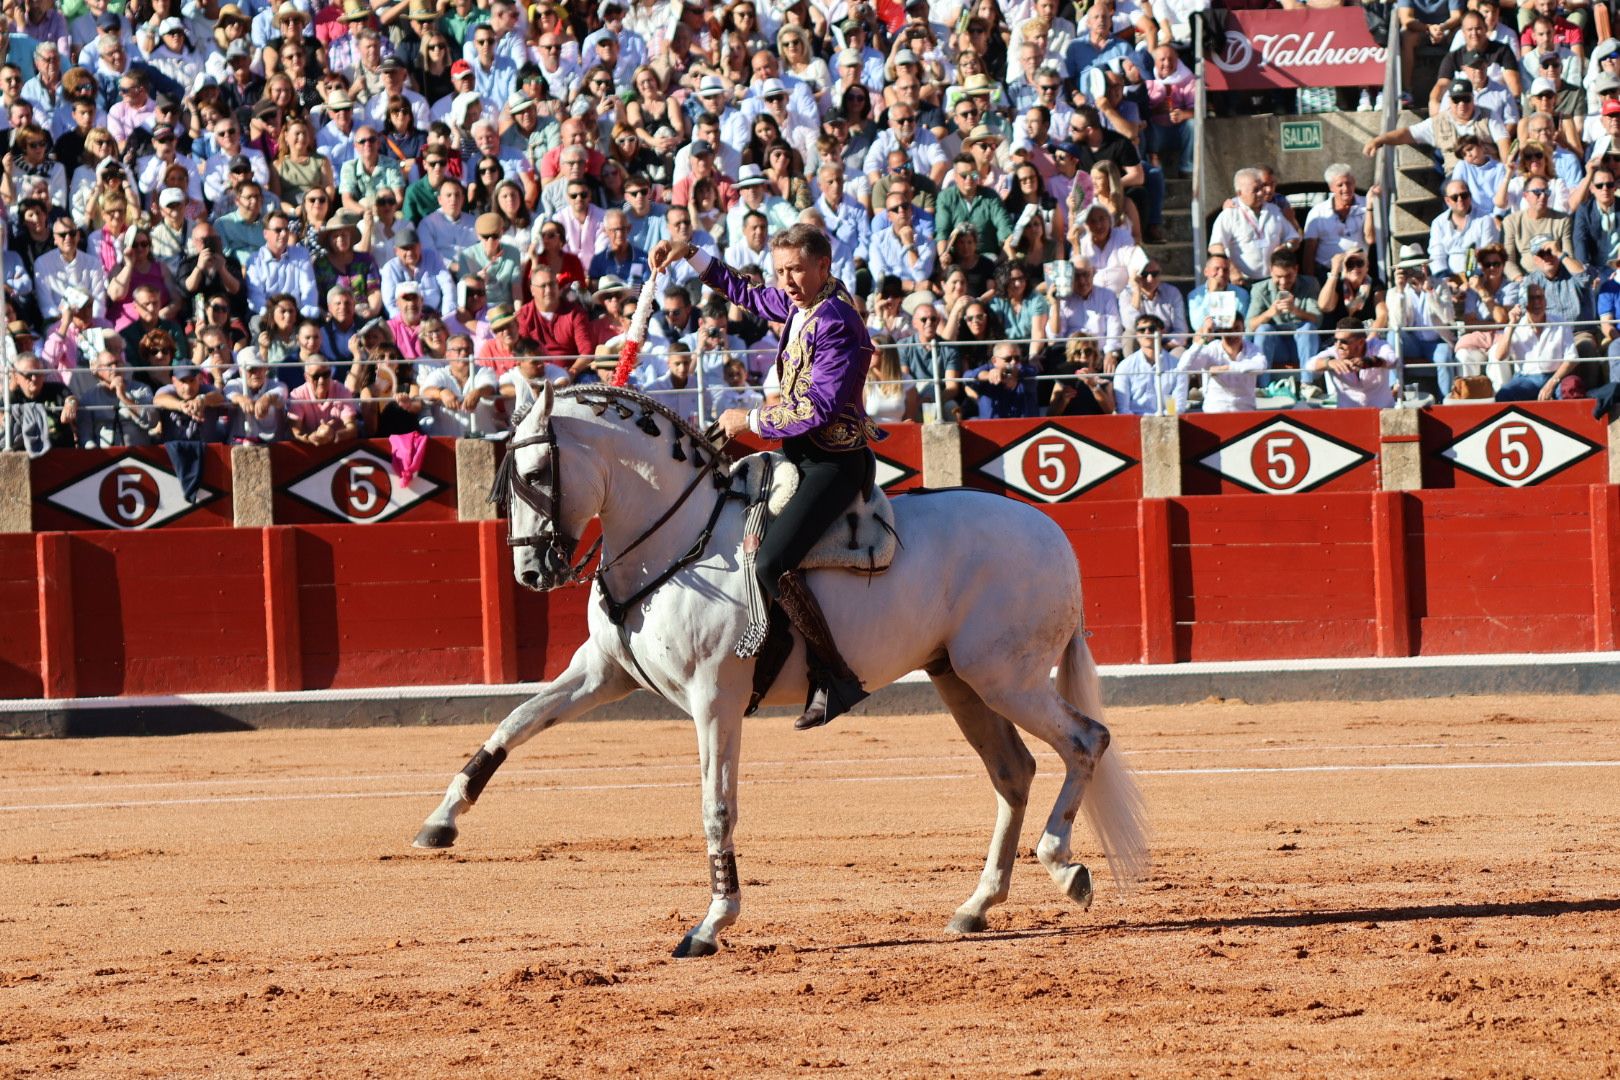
<point>53,567</point>
<point>1400,450</point>
<point>1161,457</point>
<point>1392,601</point>
<point>1157,588</point>
<point>496,590</point>
<point>1606,565</point>
<point>475,475</point>
<point>942,455</point>
<point>16,493</point>
<point>1614,451</point>
<point>284,649</point>
<point>252,492</point>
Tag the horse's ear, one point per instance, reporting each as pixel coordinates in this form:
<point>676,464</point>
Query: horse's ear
<point>544,401</point>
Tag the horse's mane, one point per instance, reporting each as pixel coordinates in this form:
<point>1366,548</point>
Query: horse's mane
<point>601,397</point>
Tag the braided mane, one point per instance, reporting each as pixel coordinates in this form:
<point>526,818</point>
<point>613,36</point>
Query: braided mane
<point>601,397</point>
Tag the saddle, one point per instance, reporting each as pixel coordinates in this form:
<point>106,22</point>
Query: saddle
<point>863,539</point>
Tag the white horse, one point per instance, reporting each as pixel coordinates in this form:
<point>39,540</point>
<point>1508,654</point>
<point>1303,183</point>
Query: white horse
<point>983,595</point>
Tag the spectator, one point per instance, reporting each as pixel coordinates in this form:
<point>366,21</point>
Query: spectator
<point>1461,116</point>
<point>1232,364</point>
<point>676,388</point>
<point>559,328</point>
<point>321,412</point>
<point>463,395</point>
<point>1538,355</point>
<point>189,410</point>
<point>1424,308</point>
<point>43,412</point>
<point>278,267</point>
<point>1082,393</point>
<point>1283,313</point>
<point>1521,228</point>
<point>1567,291</point>
<point>1462,230</point>
<point>498,264</point>
<point>1004,388</point>
<point>114,410</point>
<point>1144,384</point>
<point>1596,226</point>
<point>67,268</point>
<point>1360,371</point>
<point>1217,280</point>
<point>1250,230</point>
<point>1150,294</point>
<point>1338,223</point>
<point>1349,291</point>
<point>1089,310</point>
<point>259,402</point>
<point>414,263</point>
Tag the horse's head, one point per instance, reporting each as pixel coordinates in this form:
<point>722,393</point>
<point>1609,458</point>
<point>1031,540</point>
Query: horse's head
<point>543,527</point>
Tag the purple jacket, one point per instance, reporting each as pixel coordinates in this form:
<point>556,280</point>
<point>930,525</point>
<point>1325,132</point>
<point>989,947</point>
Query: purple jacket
<point>823,377</point>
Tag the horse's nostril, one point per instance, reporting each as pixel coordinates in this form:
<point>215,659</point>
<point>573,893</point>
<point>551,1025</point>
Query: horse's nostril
<point>531,578</point>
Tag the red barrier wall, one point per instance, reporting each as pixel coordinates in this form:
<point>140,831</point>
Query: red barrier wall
<point>1191,578</point>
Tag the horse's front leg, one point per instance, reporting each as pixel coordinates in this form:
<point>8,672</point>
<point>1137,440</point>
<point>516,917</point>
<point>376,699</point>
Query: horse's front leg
<point>591,679</point>
<point>719,732</point>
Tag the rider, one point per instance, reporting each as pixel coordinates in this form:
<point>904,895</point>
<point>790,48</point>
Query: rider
<point>822,364</point>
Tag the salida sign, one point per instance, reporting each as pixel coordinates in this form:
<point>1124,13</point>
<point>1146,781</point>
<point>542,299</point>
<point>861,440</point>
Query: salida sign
<point>1284,49</point>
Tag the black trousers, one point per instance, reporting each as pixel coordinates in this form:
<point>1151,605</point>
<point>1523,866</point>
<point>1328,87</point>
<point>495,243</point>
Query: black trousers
<point>828,484</point>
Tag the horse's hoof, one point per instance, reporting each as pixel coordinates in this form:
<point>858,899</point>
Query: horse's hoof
<point>1079,887</point>
<point>965,923</point>
<point>692,945</point>
<point>435,836</point>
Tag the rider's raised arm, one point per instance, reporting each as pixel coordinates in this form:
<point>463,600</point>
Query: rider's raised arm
<point>770,304</point>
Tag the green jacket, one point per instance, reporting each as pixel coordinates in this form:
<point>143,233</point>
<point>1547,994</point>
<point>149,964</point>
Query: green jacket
<point>986,215</point>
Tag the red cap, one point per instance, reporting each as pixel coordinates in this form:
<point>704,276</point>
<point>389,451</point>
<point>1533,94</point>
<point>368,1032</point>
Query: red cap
<point>1611,107</point>
<point>460,67</point>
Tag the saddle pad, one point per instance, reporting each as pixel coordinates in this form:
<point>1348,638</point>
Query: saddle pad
<point>868,544</point>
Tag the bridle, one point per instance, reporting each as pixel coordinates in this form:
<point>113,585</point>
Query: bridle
<point>543,495</point>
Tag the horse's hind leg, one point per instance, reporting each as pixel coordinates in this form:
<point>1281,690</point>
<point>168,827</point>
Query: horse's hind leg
<point>1011,769</point>
<point>1079,741</point>
<point>590,680</point>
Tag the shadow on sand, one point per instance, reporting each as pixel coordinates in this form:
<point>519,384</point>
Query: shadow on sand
<point>1531,909</point>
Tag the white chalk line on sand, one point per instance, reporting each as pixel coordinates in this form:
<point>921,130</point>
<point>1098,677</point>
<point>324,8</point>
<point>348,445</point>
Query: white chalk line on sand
<point>1216,770</point>
<point>558,770</point>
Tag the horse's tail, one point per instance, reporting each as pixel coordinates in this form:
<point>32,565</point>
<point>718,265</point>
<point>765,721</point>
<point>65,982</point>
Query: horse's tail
<point>1113,803</point>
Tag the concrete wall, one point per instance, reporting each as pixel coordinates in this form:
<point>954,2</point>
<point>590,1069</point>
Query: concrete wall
<point>1234,142</point>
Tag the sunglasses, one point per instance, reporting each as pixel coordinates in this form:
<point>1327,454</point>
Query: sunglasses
<point>578,195</point>
<point>1491,264</point>
<point>320,376</point>
<point>489,236</point>
<point>1603,187</point>
<point>1535,191</point>
<point>367,141</point>
<point>1149,273</point>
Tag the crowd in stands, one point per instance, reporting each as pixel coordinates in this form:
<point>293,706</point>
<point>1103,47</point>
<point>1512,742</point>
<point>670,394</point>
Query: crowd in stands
<point>281,220</point>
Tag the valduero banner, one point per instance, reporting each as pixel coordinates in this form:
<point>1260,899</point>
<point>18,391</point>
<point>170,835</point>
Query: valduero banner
<point>1266,50</point>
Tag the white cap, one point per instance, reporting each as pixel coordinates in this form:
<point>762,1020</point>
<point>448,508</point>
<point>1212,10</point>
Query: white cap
<point>906,56</point>
<point>172,197</point>
<point>772,88</point>
<point>847,57</point>
<point>1543,86</point>
<point>170,25</point>
<point>711,84</point>
<point>749,176</point>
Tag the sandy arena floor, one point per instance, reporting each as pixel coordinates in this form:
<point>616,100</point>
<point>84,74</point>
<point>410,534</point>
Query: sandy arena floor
<point>1396,889</point>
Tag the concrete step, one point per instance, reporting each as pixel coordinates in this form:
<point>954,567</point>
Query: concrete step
<point>1418,186</point>
<point>1409,217</point>
<point>1177,192</point>
<point>1175,259</point>
<point>1177,225</point>
<point>1413,157</point>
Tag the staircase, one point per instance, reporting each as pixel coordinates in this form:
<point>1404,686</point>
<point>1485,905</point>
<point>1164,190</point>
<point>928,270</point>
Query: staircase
<point>1418,190</point>
<point>1182,268</point>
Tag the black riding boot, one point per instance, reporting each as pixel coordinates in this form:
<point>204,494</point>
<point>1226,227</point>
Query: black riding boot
<point>834,689</point>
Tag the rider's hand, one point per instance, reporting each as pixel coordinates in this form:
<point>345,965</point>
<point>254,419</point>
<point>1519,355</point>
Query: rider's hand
<point>665,253</point>
<point>733,422</point>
